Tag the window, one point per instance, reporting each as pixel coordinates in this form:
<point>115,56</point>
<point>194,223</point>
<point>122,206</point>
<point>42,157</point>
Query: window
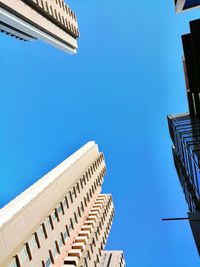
<point>84,180</point>
<point>92,190</point>
<point>82,206</point>
<point>13,263</point>
<point>47,7</point>
<point>60,244</point>
<point>48,224</point>
<point>65,235</point>
<point>81,183</point>
<point>44,230</point>
<point>51,10</point>
<point>95,186</point>
<point>98,258</point>
<point>55,252</point>
<point>40,233</point>
<point>85,201</point>
<point>60,209</point>
<point>63,20</point>
<point>79,212</point>
<point>96,235</point>
<point>74,192</point>
<point>70,195</point>
<point>72,225</point>
<point>54,216</point>
<point>32,243</point>
<point>68,231</point>
<point>93,242</point>
<point>85,262</point>
<point>88,174</point>
<point>91,247</point>
<point>91,169</point>
<point>59,17</point>
<point>66,201</point>
<point>55,13</point>
<point>75,217</point>
<point>23,254</point>
<point>89,255</point>
<point>78,187</point>
<point>48,262</point>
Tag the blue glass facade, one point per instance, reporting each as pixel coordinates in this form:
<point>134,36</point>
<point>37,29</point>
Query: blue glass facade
<point>185,134</point>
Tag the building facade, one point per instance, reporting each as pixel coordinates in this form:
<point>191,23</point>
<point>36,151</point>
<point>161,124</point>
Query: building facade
<point>61,220</point>
<point>185,128</point>
<point>112,259</point>
<point>49,20</point>
<point>183,5</point>
<point>185,134</point>
<point>191,61</point>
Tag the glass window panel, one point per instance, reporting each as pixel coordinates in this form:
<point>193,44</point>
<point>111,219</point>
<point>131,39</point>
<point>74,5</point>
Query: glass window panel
<point>23,254</point>
<point>47,223</point>
<point>40,233</point>
<point>13,263</point>
<point>65,235</point>
<point>48,262</point>
<point>55,252</point>
<point>32,243</point>
<point>53,216</point>
<point>60,244</point>
<point>59,209</point>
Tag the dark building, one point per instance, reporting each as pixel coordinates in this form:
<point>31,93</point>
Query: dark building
<point>182,5</point>
<point>185,134</point>
<point>185,128</point>
<point>191,48</point>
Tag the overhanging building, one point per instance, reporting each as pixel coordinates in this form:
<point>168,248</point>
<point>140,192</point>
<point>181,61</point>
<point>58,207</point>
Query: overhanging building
<point>185,129</point>
<point>183,5</point>
<point>49,20</point>
<point>63,219</point>
<point>185,134</point>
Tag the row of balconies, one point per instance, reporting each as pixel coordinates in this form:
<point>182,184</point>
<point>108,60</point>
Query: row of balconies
<point>61,16</point>
<point>81,241</point>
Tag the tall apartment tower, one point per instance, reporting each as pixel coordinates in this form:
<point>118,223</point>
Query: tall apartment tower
<point>183,5</point>
<point>49,20</point>
<point>62,219</point>
<point>185,128</point>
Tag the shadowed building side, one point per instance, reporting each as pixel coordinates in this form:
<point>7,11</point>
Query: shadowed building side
<point>185,134</point>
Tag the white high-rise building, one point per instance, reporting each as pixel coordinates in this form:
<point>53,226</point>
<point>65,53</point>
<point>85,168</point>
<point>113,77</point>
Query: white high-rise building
<point>63,219</point>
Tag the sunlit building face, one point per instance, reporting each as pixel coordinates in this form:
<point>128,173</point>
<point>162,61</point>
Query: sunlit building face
<point>51,21</point>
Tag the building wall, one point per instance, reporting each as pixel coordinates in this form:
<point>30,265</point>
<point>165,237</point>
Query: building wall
<point>25,215</point>
<point>95,232</point>
<point>185,131</point>
<point>112,259</point>
<point>51,21</point>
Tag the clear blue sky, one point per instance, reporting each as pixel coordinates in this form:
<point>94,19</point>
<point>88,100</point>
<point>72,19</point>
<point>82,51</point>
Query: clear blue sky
<point>118,90</point>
